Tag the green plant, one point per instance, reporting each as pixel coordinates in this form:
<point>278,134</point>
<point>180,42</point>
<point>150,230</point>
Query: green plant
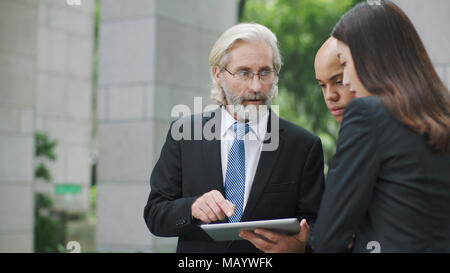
<point>44,149</point>
<point>93,197</point>
<point>49,230</point>
<point>48,233</point>
<point>301,27</point>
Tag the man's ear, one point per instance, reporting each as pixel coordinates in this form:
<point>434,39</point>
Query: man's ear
<point>216,72</point>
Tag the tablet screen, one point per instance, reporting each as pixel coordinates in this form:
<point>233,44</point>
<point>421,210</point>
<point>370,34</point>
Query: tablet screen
<point>230,231</point>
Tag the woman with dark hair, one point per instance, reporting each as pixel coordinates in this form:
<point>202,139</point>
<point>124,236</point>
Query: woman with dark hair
<point>388,187</point>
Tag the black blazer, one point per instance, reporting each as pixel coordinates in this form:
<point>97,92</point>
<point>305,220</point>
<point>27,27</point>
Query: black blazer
<point>385,185</point>
<point>289,182</point>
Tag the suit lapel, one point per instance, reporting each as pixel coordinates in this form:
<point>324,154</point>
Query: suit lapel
<point>267,161</point>
<point>212,154</point>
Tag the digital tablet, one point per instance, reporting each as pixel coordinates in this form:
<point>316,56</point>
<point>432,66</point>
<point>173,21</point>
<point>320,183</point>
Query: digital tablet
<point>230,231</point>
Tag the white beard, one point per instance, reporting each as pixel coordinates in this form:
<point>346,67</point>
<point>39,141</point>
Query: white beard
<point>249,112</point>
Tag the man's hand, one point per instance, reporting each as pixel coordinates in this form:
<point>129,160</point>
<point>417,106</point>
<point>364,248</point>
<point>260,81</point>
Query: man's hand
<point>271,242</point>
<point>212,206</point>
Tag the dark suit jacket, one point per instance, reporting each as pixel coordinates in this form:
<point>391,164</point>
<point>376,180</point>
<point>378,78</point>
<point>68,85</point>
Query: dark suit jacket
<point>289,182</point>
<point>385,185</point>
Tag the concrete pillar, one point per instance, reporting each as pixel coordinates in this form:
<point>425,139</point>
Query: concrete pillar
<point>431,20</point>
<point>18,19</point>
<point>45,85</point>
<point>65,45</point>
<point>153,55</point>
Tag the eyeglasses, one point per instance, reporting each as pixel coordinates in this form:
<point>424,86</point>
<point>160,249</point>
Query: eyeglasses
<point>265,76</point>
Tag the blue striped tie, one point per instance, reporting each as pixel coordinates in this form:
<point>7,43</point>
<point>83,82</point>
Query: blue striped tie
<point>235,175</point>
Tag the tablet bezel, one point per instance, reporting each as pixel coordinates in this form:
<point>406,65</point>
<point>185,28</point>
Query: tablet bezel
<point>230,231</point>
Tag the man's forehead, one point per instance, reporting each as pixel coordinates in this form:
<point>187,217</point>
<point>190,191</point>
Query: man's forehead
<point>327,50</point>
<point>328,69</point>
<point>246,53</point>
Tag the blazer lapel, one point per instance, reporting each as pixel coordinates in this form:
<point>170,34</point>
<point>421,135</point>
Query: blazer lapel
<point>267,161</point>
<point>212,154</point>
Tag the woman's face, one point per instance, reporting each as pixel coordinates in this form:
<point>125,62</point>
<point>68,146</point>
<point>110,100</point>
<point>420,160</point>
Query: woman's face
<point>350,77</point>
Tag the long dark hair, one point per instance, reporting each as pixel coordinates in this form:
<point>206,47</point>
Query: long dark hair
<point>392,63</point>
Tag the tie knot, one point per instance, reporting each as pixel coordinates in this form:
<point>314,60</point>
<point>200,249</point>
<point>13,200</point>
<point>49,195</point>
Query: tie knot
<point>240,129</point>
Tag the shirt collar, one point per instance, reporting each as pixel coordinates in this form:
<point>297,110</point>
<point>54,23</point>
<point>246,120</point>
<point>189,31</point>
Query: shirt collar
<point>257,128</point>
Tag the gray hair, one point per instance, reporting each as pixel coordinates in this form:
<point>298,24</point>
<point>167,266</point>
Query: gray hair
<point>240,32</point>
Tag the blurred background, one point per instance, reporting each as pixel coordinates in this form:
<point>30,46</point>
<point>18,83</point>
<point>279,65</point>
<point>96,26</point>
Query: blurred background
<point>86,92</point>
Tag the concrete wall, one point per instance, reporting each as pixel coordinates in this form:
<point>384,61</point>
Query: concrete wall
<point>431,20</point>
<point>65,47</point>
<point>18,19</point>
<point>46,62</point>
<point>153,55</point>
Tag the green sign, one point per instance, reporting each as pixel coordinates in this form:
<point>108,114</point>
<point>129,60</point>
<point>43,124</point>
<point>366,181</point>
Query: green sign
<point>63,189</point>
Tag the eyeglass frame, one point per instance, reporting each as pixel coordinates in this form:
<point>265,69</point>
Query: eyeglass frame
<point>253,74</point>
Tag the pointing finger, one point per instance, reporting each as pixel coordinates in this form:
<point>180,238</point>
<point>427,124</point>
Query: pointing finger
<point>224,204</point>
<point>215,208</point>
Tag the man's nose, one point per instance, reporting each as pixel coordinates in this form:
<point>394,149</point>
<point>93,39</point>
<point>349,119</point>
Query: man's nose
<point>255,83</point>
<point>331,94</point>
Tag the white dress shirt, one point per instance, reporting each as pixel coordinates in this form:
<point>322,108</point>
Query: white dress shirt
<point>253,144</point>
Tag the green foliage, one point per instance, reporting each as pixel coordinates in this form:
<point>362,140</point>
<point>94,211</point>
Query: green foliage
<point>44,149</point>
<point>49,230</point>
<point>44,146</point>
<point>93,197</point>
<point>42,172</point>
<point>301,26</point>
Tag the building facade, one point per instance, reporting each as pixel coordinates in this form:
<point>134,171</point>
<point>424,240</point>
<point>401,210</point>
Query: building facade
<point>153,56</point>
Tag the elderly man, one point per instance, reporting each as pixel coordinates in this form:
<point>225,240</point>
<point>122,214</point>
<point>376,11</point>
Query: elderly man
<point>337,96</point>
<point>239,175</point>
